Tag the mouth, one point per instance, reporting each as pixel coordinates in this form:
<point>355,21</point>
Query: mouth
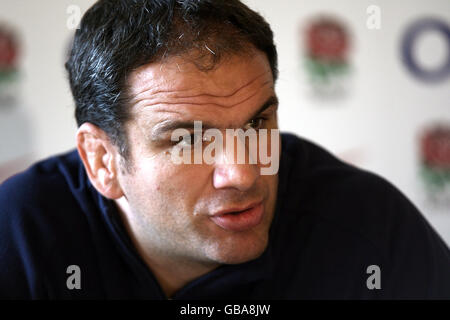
<point>240,219</point>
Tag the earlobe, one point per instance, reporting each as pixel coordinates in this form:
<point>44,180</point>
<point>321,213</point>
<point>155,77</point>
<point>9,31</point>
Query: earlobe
<point>98,155</point>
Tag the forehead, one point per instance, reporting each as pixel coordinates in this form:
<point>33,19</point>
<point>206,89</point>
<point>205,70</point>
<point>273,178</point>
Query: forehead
<point>179,86</point>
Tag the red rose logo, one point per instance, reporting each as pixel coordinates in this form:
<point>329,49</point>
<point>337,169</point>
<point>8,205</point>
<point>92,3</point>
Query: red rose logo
<point>8,50</point>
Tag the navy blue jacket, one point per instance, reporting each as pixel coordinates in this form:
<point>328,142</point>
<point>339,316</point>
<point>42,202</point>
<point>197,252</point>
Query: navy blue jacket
<point>331,223</point>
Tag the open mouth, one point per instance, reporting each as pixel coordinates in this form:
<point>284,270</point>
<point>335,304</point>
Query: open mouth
<point>235,213</point>
<point>240,220</point>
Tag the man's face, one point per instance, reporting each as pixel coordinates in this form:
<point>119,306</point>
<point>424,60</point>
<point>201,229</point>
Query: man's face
<point>176,208</point>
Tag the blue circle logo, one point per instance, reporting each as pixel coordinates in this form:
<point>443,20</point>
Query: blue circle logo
<point>412,35</point>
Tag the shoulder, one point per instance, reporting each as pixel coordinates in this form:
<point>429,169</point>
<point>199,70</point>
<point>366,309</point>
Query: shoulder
<point>37,210</point>
<point>42,192</point>
<point>34,184</point>
<point>364,215</point>
<point>342,193</point>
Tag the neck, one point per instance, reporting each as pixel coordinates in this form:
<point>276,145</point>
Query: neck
<point>172,272</point>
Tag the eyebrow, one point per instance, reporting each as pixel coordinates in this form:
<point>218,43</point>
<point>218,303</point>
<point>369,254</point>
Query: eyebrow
<point>170,125</point>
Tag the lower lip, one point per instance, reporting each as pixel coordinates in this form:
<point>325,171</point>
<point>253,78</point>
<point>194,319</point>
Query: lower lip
<point>242,221</point>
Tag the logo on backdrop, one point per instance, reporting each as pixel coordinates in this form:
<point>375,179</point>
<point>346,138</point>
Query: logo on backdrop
<point>413,34</point>
<point>435,158</point>
<point>9,50</point>
<point>327,46</point>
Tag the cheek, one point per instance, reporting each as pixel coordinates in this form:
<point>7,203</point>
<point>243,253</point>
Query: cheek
<point>174,185</point>
<point>189,183</point>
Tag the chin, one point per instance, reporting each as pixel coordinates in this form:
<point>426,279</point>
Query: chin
<point>241,250</point>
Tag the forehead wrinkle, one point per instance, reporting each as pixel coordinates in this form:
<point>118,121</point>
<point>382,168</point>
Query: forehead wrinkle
<point>149,93</point>
<point>239,97</point>
<point>185,103</point>
<point>148,90</point>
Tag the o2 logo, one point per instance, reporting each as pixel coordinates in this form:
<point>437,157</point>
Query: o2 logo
<point>409,44</point>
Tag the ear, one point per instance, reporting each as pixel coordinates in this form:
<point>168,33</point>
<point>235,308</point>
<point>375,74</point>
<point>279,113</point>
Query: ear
<point>99,158</point>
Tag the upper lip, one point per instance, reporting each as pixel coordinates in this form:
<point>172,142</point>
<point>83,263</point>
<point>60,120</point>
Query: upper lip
<point>237,208</point>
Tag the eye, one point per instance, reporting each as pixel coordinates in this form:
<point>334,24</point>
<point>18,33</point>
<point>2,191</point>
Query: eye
<point>256,123</point>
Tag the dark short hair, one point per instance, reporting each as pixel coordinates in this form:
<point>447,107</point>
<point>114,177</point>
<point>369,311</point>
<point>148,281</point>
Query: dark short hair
<point>117,36</point>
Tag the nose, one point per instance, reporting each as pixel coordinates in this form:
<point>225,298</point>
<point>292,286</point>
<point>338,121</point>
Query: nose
<point>238,176</point>
<point>228,173</point>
